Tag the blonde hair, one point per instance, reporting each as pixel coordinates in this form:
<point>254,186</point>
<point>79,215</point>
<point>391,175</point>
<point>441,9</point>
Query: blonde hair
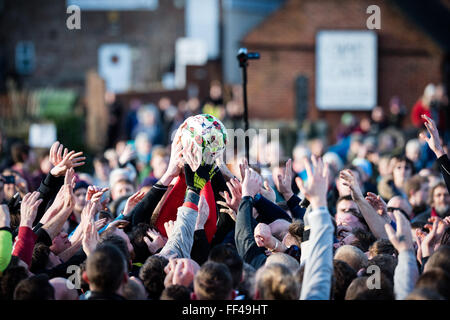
<point>276,282</point>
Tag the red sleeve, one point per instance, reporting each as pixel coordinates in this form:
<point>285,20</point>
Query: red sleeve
<point>24,245</point>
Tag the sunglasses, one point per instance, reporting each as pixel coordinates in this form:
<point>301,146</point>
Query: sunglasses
<point>392,209</point>
<point>352,211</point>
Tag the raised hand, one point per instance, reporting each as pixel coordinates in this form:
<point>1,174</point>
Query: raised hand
<point>432,240</point>
<point>28,209</point>
<point>203,213</point>
<point>118,224</point>
<point>349,180</point>
<point>377,203</point>
<point>195,179</point>
<point>252,183</point>
<point>99,224</point>
<point>133,201</point>
<point>180,271</point>
<point>263,236</point>
<point>127,155</point>
<point>284,181</point>
<point>232,202</point>
<point>94,194</point>
<point>93,191</point>
<point>175,162</point>
<point>63,161</point>
<point>90,238</point>
<point>69,184</point>
<point>168,226</point>
<point>267,192</point>
<point>433,141</point>
<point>191,157</point>
<point>154,240</point>
<point>316,191</point>
<point>402,238</point>
<point>64,200</point>
<point>227,210</point>
<point>243,165</point>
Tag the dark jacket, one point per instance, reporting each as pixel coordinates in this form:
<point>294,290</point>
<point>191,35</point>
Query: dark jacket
<point>244,236</point>
<point>104,296</point>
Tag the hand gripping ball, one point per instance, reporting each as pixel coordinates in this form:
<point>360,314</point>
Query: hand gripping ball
<point>208,134</point>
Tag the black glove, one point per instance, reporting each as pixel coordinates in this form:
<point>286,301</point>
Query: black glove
<point>195,181</point>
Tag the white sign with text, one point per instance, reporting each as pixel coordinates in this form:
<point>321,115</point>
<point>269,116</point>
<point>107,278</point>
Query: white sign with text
<point>346,70</point>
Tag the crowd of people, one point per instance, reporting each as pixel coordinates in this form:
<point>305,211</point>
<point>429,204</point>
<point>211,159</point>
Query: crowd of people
<point>367,218</point>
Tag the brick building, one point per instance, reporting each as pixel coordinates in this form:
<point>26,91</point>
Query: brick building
<point>408,57</point>
<point>63,56</point>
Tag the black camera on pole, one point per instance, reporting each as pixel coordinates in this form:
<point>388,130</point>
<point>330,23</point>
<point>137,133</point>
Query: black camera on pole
<point>243,56</point>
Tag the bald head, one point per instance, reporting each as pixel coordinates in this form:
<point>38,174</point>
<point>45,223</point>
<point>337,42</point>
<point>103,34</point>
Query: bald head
<point>283,259</point>
<point>352,255</point>
<point>134,290</point>
<point>62,291</point>
<point>402,203</point>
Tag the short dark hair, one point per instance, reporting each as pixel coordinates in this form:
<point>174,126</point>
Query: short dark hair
<point>382,246</point>
<point>176,292</point>
<point>414,184</point>
<point>35,288</point>
<point>141,251</point>
<point>18,150</point>
<point>152,275</point>
<point>386,263</point>
<point>228,255</point>
<point>296,229</point>
<point>435,279</point>
<point>424,294</point>
<point>101,158</point>
<point>40,257</point>
<point>364,239</point>
<point>10,279</point>
<point>440,259</point>
<point>213,282</point>
<point>105,268</point>
<point>358,289</point>
<point>343,275</point>
<point>118,242</point>
<point>276,282</point>
<point>402,158</point>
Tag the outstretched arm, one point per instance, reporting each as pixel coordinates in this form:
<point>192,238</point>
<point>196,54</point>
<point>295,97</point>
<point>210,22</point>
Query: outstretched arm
<point>319,262</point>
<point>435,144</point>
<point>406,273</point>
<point>374,220</point>
<point>245,224</point>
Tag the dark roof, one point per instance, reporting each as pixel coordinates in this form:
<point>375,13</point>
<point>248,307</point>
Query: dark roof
<point>432,16</point>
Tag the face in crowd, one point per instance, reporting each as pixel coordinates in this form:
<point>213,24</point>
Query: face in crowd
<point>80,199</point>
<point>121,188</point>
<point>401,172</point>
<point>441,199</point>
<point>346,212</point>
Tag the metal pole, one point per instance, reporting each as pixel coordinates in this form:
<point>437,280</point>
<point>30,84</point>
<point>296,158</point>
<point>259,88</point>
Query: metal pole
<point>246,126</point>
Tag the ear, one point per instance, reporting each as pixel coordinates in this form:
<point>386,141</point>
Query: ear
<point>125,278</point>
<point>193,296</point>
<point>85,277</point>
